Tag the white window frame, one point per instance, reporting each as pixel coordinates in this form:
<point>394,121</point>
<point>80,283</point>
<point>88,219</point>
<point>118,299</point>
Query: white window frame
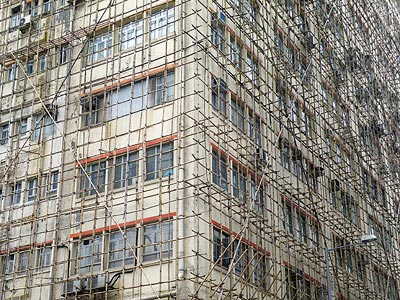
<point>162,23</point>
<point>5,134</point>
<point>131,35</point>
<point>100,47</point>
<point>125,169</point>
<point>120,253</point>
<point>44,257</point>
<point>31,189</point>
<point>160,161</point>
<point>157,243</point>
<point>97,173</point>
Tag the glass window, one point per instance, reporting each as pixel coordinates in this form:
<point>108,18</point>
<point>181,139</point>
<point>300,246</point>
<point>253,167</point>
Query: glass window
<point>100,47</point>
<point>97,174</point>
<point>29,67</point>
<point>219,170</point>
<point>131,35</point>
<point>43,125</point>
<point>161,88</point>
<point>46,6</point>
<point>10,264</point>
<point>287,216</point>
<point>63,54</point>
<point>162,23</point>
<point>11,72</point>
<point>125,170</point>
<point>157,243</point>
<point>241,258</point>
<point>92,110</point>
<point>52,182</point>
<point>120,248</point>
<point>219,91</point>
<point>23,261</point>
<point>221,251</point>
<point>88,254</point>
<point>43,62</point>
<point>44,257</point>
<point>15,16</point>
<point>237,113</point>
<point>31,189</point>
<point>235,54</point>
<point>16,196</point>
<point>23,126</point>
<point>4,134</point>
<point>159,161</point>
<point>260,269</point>
<point>217,32</point>
<point>238,184</point>
<point>252,71</point>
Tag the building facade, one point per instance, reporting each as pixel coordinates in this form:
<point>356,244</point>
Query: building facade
<point>199,149</point>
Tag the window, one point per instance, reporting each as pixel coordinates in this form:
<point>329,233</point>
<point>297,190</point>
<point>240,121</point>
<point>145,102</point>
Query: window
<point>62,3</point>
<point>23,126</point>
<point>219,170</point>
<point>11,263</point>
<point>44,257</point>
<point>97,174</point>
<point>125,170</point>
<point>161,88</point>
<point>279,42</point>
<point>238,184</point>
<point>235,52</point>
<point>285,154</point>
<point>88,254</point>
<point>221,251</point>
<point>63,54</point>
<point>237,113</point>
<point>256,195</point>
<point>46,6</point>
<point>92,110</point>
<point>23,261</point>
<point>11,72</point>
<point>157,242</point>
<point>52,182</point>
<point>43,127</point>
<point>31,189</point>
<point>159,161</point>
<point>100,47</point>
<point>43,62</point>
<point>219,91</point>
<point>254,127</point>
<point>4,134</point>
<point>162,23</point>
<point>129,99</point>
<point>29,67</point>
<point>120,248</point>
<point>260,269</point>
<point>287,216</point>
<point>16,196</point>
<point>218,31</point>
<point>131,35</point>
<point>252,70</point>
<point>15,16</point>
<point>314,235</point>
<point>33,8</point>
<point>240,253</point>
<point>302,228</point>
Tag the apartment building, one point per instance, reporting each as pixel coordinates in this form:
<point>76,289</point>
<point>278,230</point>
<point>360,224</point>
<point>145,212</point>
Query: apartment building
<point>199,149</point>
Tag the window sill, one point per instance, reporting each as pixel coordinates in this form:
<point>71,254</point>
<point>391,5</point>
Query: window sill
<point>158,179</point>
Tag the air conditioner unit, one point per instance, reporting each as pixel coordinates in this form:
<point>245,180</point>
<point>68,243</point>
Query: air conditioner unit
<point>75,286</point>
<point>96,282</point>
<point>25,22</point>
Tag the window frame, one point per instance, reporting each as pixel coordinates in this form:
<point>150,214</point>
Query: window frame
<point>163,154</point>
<point>160,23</point>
